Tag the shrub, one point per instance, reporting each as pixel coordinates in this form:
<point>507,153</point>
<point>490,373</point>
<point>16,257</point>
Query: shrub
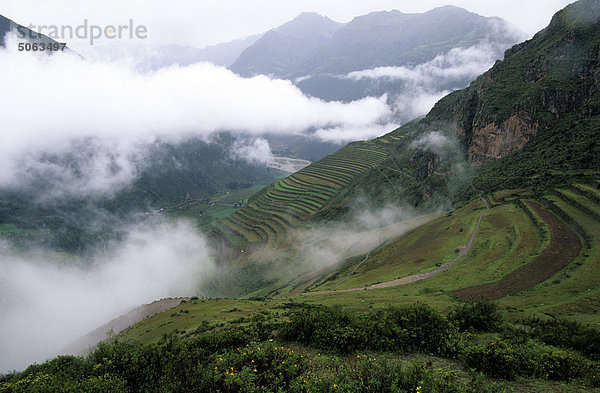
<point>503,359</point>
<point>566,334</point>
<point>417,327</point>
<point>413,328</point>
<point>497,359</point>
<point>477,316</point>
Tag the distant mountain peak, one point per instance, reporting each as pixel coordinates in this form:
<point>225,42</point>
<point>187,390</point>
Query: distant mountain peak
<point>310,16</point>
<point>450,7</point>
<point>309,24</point>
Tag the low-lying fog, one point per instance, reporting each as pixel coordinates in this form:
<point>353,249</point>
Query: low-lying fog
<point>48,302</point>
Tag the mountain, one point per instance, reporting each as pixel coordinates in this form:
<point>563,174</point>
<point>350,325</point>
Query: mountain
<point>226,54</point>
<point>531,119</point>
<point>374,40</point>
<point>514,162</point>
<point>405,314</point>
<point>394,38</point>
<point>280,50</point>
<point>7,25</point>
<point>538,108</point>
<point>318,55</point>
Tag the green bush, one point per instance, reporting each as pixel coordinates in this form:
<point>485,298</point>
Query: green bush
<point>567,334</point>
<point>477,316</point>
<point>416,327</point>
<point>503,359</point>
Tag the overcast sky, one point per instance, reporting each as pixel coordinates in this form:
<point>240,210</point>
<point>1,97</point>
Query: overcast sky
<point>205,22</point>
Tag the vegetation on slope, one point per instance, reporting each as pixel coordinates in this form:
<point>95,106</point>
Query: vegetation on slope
<point>324,349</point>
<point>532,120</point>
<point>171,175</point>
<point>292,201</point>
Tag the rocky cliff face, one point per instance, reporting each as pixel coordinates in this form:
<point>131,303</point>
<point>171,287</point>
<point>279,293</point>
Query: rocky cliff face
<point>494,141</point>
<point>540,84</point>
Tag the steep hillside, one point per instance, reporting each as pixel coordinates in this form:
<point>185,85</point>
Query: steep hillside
<point>292,201</point>
<point>547,85</point>
<point>532,119</point>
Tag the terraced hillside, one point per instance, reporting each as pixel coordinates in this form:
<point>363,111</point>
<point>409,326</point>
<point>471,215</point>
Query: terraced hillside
<point>534,254</point>
<point>515,259</point>
<point>292,201</point>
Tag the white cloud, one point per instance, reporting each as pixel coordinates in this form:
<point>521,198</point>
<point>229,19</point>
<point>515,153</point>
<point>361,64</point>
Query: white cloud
<point>416,101</point>
<point>256,151</point>
<point>424,84</point>
<point>433,141</point>
<point>55,102</point>
<point>457,64</point>
<point>47,305</point>
<point>346,134</point>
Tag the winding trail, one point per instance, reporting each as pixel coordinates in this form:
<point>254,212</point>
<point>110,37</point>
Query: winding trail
<point>417,277</point>
<point>356,267</point>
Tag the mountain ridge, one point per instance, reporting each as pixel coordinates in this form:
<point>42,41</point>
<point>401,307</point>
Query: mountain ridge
<point>387,38</point>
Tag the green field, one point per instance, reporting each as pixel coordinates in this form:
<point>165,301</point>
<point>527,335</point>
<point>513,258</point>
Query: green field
<point>10,229</point>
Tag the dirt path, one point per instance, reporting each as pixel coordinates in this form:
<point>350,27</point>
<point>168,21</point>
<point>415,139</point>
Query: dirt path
<point>417,277</point>
<point>563,248</point>
<point>356,267</point>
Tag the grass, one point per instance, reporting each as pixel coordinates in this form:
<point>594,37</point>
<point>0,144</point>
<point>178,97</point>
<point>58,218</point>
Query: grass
<point>10,229</point>
<point>511,235</point>
<point>192,314</point>
<point>574,293</point>
<point>420,251</point>
<point>508,239</point>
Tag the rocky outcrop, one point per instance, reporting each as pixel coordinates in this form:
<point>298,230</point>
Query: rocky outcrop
<point>494,141</point>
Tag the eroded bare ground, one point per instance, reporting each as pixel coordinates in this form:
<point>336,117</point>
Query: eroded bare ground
<point>564,246</point>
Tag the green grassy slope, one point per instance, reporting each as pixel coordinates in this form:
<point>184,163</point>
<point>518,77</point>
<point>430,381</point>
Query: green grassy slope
<point>511,236</point>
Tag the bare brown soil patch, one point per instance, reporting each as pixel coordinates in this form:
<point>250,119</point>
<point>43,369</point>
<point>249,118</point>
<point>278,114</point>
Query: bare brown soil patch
<point>564,246</point>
